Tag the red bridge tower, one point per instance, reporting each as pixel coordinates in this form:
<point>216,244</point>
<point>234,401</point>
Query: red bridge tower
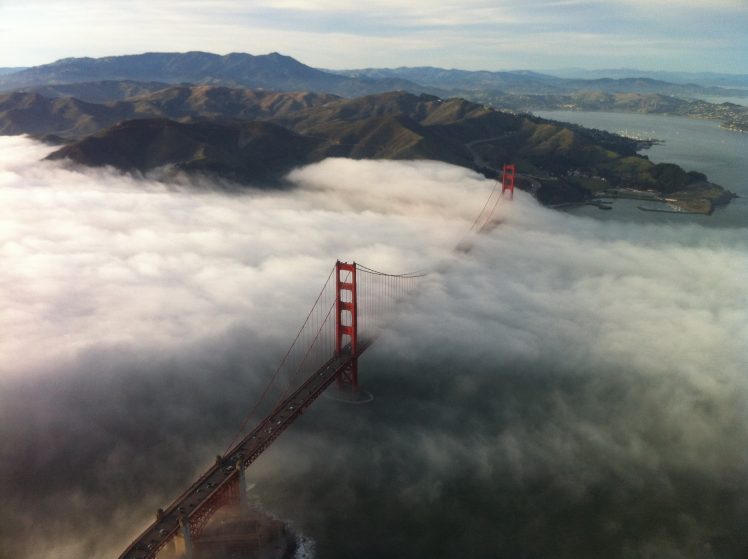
<point>346,323</point>
<point>507,179</point>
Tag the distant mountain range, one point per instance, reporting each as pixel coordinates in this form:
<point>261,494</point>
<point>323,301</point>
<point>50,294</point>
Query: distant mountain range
<point>193,112</point>
<point>395,125</point>
<point>707,79</point>
<point>276,72</point>
<point>533,83</point>
<point>71,118</point>
<point>98,91</point>
<point>734,117</point>
<point>258,136</point>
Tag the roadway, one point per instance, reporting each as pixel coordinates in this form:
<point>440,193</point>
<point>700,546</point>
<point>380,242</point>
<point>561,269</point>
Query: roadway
<point>224,472</point>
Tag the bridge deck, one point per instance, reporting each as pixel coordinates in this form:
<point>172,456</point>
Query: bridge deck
<point>219,477</point>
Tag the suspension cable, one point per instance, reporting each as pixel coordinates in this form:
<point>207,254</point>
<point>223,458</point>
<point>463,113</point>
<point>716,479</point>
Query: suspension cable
<point>385,292</point>
<point>278,369</point>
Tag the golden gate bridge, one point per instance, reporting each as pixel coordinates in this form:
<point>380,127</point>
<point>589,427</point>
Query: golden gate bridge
<point>353,306</point>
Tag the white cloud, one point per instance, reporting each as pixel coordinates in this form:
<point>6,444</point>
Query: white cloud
<point>604,361</point>
<point>90,255</point>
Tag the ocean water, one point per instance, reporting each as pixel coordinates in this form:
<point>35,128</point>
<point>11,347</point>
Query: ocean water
<point>695,145</point>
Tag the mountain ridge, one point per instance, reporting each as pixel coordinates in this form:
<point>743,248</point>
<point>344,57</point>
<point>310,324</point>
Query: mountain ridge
<point>272,71</point>
<point>699,78</point>
<point>279,72</point>
<point>530,82</point>
<point>70,118</point>
<point>257,151</point>
<point>569,163</point>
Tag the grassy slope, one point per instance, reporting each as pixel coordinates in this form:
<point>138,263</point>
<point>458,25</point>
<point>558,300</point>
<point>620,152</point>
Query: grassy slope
<point>394,125</point>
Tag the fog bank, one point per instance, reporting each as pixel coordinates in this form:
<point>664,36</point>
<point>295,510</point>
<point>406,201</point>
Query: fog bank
<point>566,388</point>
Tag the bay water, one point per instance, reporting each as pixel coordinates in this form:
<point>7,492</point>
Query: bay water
<point>695,145</point>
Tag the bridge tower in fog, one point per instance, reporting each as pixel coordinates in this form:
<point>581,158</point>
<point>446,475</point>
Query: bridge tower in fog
<point>346,323</point>
<point>355,303</point>
<point>353,306</point>
<point>508,175</point>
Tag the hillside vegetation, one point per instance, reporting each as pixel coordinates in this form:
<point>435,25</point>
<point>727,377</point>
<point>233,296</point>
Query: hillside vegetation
<point>249,135</point>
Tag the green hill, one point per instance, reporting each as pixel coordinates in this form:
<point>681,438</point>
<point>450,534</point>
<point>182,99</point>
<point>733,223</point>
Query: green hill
<point>248,135</point>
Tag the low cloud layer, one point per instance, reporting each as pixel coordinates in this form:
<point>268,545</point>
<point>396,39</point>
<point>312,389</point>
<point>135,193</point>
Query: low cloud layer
<point>566,388</point>
<point>100,259</point>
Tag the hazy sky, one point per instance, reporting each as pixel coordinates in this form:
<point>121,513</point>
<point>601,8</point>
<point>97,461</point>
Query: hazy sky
<point>687,35</point>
